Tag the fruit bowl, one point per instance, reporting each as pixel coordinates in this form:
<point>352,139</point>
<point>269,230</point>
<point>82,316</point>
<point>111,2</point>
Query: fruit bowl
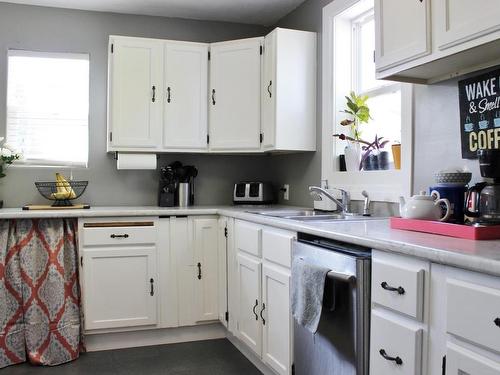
<point>62,192</point>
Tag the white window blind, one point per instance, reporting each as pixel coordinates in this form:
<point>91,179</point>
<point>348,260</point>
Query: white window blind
<point>48,107</point>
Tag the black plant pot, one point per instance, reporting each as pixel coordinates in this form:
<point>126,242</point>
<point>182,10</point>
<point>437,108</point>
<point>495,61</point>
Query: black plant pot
<point>370,163</point>
<point>383,160</point>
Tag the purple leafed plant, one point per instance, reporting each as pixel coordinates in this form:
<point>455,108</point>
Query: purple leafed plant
<point>369,148</point>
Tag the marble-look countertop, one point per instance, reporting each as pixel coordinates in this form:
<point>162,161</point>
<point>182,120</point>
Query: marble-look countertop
<point>481,256</point>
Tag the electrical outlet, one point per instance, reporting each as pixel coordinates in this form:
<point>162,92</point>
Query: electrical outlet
<point>286,192</point>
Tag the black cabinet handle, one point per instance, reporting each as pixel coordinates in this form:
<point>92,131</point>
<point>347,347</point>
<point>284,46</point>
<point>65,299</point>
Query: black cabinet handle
<point>154,94</point>
<point>399,289</point>
<point>199,271</point>
<point>168,94</point>
<point>152,285</point>
<point>398,360</point>
<point>120,235</point>
<point>256,304</point>
<point>269,89</point>
<point>261,311</point>
<point>497,322</point>
<point>213,96</point>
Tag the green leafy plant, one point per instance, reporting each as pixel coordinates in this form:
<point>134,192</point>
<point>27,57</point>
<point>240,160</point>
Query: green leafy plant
<point>7,157</point>
<point>359,112</point>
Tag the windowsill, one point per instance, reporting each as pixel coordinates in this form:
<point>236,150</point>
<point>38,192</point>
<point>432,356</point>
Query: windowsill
<point>36,166</point>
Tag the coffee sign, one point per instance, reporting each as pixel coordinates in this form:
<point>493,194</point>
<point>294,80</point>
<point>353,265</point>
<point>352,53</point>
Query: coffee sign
<point>480,113</point>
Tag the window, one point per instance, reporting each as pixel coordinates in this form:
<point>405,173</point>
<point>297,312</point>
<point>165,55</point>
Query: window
<point>349,43</point>
<point>385,96</point>
<point>48,107</point>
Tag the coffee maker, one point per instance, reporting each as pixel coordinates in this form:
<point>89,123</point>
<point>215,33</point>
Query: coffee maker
<point>482,202</point>
<point>177,185</point>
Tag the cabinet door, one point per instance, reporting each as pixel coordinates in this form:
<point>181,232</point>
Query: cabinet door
<point>275,316</point>
<point>249,328</point>
<point>120,287</point>
<point>135,92</point>
<point>402,31</point>
<point>234,102</point>
<point>459,21</point>
<point>206,265</point>
<point>268,94</point>
<point>182,248</point>
<point>222,281</point>
<point>461,361</point>
<point>185,99</point>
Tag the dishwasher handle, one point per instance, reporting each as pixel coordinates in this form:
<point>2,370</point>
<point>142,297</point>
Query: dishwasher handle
<point>341,276</point>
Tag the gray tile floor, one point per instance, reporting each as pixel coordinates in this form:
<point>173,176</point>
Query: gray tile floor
<point>212,357</point>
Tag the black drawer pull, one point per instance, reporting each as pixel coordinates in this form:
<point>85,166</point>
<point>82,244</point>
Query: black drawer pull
<point>152,285</point>
<point>120,235</point>
<point>398,360</point>
<point>256,304</point>
<point>168,95</point>
<point>154,94</point>
<point>199,271</point>
<point>399,289</point>
<point>497,322</point>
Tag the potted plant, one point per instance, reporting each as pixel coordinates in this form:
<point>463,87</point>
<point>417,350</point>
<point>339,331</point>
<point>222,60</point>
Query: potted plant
<point>359,113</point>
<point>7,157</point>
<point>373,157</point>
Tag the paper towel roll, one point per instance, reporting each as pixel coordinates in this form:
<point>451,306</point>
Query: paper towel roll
<point>136,161</point>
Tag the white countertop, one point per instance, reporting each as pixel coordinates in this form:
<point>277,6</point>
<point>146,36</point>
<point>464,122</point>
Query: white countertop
<point>481,256</point>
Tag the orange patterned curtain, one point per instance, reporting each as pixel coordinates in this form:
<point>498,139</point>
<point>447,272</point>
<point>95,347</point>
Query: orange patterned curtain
<point>39,292</point>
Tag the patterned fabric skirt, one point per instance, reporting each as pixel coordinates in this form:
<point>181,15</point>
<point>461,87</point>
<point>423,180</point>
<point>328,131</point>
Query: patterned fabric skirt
<point>39,292</point>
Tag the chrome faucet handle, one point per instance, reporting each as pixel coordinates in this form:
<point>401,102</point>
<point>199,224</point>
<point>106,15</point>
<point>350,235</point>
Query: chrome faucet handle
<point>346,197</point>
<point>366,206</point>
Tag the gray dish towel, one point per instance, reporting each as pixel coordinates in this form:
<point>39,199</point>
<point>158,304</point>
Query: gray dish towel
<point>308,284</point>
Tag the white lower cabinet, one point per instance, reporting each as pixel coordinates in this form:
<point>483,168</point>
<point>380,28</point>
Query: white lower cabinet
<point>120,287</point>
<point>396,345</point>
<point>249,326</point>
<point>262,297</point>
<point>276,319</point>
<point>461,361</point>
<point>118,264</point>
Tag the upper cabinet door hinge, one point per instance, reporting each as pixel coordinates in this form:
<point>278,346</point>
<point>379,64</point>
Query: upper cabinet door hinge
<point>111,136</point>
<point>225,232</point>
<point>261,50</point>
<point>227,316</point>
<point>209,56</point>
<point>112,48</point>
<point>261,137</point>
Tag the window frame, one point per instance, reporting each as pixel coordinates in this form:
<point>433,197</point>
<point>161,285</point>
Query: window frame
<point>42,163</point>
<point>384,186</point>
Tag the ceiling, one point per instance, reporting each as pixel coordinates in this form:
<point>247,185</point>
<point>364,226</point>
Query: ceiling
<point>258,12</point>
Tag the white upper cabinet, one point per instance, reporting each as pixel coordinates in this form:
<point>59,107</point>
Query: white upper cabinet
<point>289,91</point>
<point>185,98</point>
<point>174,96</point>
<point>234,95</point>
<point>465,21</point>
<point>135,90</point>
<point>402,31</point>
<point>427,41</point>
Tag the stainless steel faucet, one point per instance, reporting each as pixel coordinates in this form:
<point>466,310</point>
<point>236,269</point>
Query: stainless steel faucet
<point>345,205</point>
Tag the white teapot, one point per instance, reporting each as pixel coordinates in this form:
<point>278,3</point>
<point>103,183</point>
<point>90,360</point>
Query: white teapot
<point>424,207</point>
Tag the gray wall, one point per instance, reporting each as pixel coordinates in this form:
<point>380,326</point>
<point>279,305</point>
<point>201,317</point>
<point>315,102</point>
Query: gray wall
<point>51,29</point>
<point>436,124</point>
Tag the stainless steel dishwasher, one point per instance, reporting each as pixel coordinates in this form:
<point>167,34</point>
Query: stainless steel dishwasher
<point>342,343</point>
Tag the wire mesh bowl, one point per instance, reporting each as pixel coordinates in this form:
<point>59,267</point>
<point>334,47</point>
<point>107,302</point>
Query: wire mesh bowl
<point>62,193</point>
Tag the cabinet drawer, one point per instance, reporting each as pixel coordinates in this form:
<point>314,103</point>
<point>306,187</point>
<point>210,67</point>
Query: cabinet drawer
<point>398,284</point>
<point>461,361</point>
<point>119,233</point>
<point>248,238</point>
<point>473,313</point>
<point>396,348</point>
<point>277,246</point>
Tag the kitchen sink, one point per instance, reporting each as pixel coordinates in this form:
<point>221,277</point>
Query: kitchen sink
<point>312,215</point>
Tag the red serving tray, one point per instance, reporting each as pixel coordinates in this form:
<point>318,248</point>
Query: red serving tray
<point>447,229</point>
